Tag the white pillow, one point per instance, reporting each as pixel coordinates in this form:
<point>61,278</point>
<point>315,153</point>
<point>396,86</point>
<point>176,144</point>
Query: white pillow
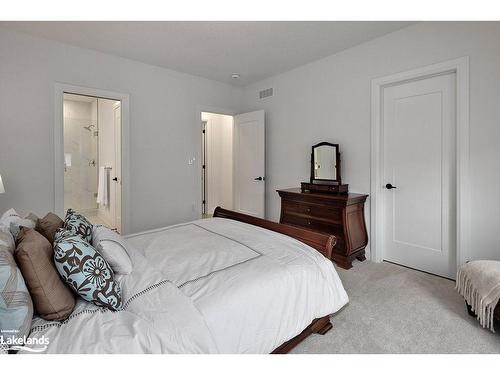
<point>8,217</point>
<point>113,248</point>
<point>6,240</point>
<point>12,221</point>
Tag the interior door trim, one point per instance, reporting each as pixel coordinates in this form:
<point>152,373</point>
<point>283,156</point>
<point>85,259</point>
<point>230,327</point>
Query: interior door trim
<point>460,67</point>
<point>59,90</point>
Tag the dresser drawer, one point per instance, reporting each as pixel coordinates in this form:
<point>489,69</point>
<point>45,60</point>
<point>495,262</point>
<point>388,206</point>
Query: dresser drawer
<point>316,224</point>
<point>329,213</point>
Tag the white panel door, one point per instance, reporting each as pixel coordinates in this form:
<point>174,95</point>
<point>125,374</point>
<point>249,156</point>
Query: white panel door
<point>249,163</point>
<point>420,163</point>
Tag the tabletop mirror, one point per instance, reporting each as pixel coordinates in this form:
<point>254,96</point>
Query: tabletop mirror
<point>325,164</point>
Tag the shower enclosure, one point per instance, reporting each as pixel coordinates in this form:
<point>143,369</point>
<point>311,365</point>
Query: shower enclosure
<point>80,153</point>
<point>92,142</point>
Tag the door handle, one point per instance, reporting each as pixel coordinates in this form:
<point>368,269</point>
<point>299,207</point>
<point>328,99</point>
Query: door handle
<point>259,179</point>
<point>115,179</point>
<point>389,186</point>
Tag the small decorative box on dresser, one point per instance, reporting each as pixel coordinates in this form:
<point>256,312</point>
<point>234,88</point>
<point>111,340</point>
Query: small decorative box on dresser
<point>339,214</point>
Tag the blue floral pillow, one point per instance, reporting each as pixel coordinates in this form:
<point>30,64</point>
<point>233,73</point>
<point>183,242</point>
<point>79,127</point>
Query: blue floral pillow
<point>85,270</point>
<point>78,224</point>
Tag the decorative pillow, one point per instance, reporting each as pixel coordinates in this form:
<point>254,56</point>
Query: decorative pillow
<point>7,217</point>
<point>53,300</point>
<point>113,248</point>
<point>48,225</point>
<point>15,227</point>
<point>6,240</point>
<point>78,224</point>
<point>11,220</point>
<point>85,270</point>
<point>16,307</point>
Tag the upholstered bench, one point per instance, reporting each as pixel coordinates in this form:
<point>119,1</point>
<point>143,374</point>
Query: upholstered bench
<point>496,314</point>
<point>479,283</point>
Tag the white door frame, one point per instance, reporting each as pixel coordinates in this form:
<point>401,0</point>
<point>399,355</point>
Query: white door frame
<point>460,67</point>
<point>60,89</point>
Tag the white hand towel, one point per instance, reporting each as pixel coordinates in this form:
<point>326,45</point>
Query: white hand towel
<point>103,187</point>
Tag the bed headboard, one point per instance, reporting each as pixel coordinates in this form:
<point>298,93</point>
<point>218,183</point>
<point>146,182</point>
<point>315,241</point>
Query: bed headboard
<point>324,243</point>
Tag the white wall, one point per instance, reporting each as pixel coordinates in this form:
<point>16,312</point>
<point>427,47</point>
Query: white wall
<point>329,100</point>
<point>219,163</point>
<point>164,126</point>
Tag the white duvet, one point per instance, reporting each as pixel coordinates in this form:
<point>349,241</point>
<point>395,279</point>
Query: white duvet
<point>208,286</point>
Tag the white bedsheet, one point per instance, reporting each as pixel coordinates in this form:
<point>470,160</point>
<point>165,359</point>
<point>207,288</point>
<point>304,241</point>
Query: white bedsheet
<point>212,285</point>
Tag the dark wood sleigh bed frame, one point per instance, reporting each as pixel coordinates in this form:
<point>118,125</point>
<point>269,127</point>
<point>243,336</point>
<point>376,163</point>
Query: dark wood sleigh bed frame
<point>321,242</point>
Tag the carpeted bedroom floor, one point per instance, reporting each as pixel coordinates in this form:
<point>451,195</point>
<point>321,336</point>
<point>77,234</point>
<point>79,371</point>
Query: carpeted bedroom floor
<point>394,309</point>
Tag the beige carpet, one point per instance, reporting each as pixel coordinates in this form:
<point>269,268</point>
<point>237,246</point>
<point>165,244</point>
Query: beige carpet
<point>394,309</point>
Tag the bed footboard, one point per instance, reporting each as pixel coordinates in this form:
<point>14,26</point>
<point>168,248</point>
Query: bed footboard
<point>324,243</point>
<point>319,326</point>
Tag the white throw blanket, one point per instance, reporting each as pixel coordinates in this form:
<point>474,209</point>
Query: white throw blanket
<point>479,283</point>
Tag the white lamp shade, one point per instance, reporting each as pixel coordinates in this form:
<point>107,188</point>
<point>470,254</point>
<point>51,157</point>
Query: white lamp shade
<point>2,190</point>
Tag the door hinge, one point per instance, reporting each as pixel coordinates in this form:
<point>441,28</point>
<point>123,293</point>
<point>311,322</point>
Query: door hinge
<point>203,166</point>
<point>203,131</point>
<point>203,201</point>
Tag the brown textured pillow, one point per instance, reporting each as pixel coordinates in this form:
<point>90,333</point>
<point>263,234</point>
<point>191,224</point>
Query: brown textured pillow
<point>52,299</point>
<point>48,226</point>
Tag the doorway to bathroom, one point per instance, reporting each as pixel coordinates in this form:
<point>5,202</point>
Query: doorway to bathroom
<point>92,129</point>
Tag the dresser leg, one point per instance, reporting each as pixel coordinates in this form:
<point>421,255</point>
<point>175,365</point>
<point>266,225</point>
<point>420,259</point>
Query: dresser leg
<point>342,262</point>
<point>346,262</point>
<point>361,257</point>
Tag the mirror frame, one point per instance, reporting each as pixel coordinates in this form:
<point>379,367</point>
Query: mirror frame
<point>338,180</point>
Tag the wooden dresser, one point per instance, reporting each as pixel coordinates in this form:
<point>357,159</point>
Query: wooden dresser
<point>339,214</point>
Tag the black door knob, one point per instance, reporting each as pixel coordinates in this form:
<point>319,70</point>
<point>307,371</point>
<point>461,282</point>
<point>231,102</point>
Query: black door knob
<point>115,179</point>
<point>258,178</point>
<point>389,186</point>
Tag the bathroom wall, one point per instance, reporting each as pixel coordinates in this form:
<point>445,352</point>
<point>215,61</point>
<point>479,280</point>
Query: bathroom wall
<point>80,149</point>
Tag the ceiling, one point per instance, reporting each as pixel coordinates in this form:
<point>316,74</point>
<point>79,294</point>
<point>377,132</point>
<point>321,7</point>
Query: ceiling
<point>215,50</point>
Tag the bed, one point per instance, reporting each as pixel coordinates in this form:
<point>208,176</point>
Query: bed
<point>229,284</point>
